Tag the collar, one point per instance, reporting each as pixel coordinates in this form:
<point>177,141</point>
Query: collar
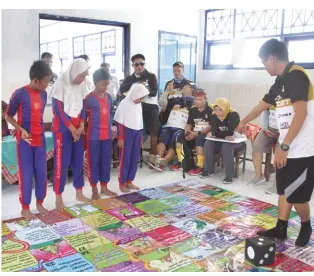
<point>286,71</point>
<point>178,80</point>
<point>144,74</point>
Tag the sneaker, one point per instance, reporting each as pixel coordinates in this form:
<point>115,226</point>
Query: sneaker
<point>228,180</point>
<point>272,189</point>
<point>206,174</point>
<point>256,181</point>
<point>175,168</point>
<point>196,171</point>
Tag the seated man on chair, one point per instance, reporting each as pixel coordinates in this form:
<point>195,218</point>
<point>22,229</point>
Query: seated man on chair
<point>264,142</point>
<point>174,127</point>
<point>173,89</point>
<point>224,121</point>
<point>196,129</point>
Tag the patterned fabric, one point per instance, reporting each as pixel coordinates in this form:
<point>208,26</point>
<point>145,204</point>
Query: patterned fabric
<point>9,160</point>
<point>252,130</point>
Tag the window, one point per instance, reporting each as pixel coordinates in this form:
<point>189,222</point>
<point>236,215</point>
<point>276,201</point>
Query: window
<point>59,50</point>
<point>95,46</point>
<point>233,37</point>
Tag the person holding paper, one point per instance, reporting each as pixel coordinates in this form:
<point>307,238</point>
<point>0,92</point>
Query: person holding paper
<point>224,121</point>
<point>173,129</point>
<point>293,95</point>
<point>197,127</point>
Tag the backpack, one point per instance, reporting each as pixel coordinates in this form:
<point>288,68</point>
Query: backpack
<point>187,161</point>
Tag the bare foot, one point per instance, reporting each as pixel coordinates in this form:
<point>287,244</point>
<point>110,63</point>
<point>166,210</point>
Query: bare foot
<point>27,214</point>
<point>124,189</point>
<point>95,195</point>
<point>81,197</point>
<point>131,186</point>
<point>107,192</point>
<point>59,203</point>
<point>41,209</point>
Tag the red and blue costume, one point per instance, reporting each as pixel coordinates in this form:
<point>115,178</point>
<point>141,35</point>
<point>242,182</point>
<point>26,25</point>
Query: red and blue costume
<point>29,105</point>
<point>66,152</point>
<point>99,138</point>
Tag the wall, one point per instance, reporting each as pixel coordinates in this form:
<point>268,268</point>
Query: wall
<point>20,30</point>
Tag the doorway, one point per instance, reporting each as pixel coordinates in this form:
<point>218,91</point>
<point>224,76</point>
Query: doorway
<point>174,47</point>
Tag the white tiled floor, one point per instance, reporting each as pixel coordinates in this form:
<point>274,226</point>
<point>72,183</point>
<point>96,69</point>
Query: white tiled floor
<point>145,178</point>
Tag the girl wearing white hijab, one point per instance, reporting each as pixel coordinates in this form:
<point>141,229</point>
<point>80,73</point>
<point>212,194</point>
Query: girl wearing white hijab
<point>67,126</point>
<point>129,118</point>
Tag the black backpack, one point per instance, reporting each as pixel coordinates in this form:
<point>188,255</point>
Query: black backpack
<point>188,162</point>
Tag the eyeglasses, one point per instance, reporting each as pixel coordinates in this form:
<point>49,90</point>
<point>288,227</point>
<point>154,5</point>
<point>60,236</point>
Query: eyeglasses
<point>139,64</point>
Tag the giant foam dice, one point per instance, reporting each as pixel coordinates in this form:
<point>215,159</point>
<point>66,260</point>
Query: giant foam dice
<point>260,250</point>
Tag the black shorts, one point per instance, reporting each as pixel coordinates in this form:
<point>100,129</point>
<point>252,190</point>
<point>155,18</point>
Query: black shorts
<point>199,141</point>
<point>151,118</point>
<point>169,136</point>
<point>296,180</point>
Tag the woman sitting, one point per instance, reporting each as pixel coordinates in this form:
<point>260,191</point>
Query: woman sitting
<point>224,121</point>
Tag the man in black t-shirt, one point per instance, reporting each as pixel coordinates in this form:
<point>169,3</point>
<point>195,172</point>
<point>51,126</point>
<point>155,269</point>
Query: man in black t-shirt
<point>197,127</point>
<point>150,102</point>
<point>293,96</point>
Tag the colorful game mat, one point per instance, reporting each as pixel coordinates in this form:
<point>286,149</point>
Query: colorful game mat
<point>184,226</point>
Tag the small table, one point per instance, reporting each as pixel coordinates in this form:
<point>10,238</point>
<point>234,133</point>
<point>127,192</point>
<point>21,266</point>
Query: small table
<point>9,157</point>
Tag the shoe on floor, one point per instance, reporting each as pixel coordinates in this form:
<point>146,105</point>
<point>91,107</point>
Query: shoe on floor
<point>256,181</point>
<point>206,174</point>
<point>196,171</point>
<point>271,189</point>
<point>175,168</point>
<point>228,180</point>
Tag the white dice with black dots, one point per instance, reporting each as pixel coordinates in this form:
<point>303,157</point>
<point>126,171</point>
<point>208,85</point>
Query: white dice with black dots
<point>260,251</point>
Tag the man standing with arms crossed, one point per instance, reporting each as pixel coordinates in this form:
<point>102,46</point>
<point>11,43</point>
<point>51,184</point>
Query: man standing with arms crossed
<point>150,103</point>
<point>293,96</point>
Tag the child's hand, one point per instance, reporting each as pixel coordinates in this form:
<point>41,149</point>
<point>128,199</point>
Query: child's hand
<point>78,132</point>
<point>229,138</point>
<point>114,132</point>
<point>25,136</point>
<point>121,144</point>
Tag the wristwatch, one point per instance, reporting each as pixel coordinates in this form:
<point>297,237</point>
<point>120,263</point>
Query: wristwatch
<point>284,147</point>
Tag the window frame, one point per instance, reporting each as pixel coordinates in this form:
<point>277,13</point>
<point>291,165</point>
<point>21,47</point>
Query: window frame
<point>286,38</point>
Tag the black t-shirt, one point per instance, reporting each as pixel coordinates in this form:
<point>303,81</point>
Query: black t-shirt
<point>292,86</point>
<point>222,129</point>
<point>200,119</point>
<point>177,86</point>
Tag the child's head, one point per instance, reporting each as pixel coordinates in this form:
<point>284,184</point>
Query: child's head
<point>199,98</point>
<point>138,93</point>
<point>221,108</point>
<point>79,70</point>
<point>101,80</point>
<point>40,75</point>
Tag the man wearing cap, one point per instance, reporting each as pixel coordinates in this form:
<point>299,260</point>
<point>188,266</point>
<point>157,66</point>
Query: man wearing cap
<point>196,129</point>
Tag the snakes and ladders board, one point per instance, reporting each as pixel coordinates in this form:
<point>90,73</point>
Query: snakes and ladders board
<point>180,227</point>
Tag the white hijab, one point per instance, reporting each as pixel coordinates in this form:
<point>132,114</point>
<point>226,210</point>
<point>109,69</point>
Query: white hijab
<point>64,90</point>
<point>128,112</point>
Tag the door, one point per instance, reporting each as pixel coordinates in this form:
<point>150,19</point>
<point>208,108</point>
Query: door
<point>175,47</point>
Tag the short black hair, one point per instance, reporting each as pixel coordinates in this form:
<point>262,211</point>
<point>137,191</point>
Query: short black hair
<point>137,56</point>
<point>105,65</point>
<point>100,74</point>
<point>46,55</point>
<point>39,70</point>
<point>85,57</point>
<point>178,64</point>
<point>274,47</point>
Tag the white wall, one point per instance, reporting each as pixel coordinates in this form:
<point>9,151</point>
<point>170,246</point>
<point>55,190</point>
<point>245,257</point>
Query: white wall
<point>20,33</point>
